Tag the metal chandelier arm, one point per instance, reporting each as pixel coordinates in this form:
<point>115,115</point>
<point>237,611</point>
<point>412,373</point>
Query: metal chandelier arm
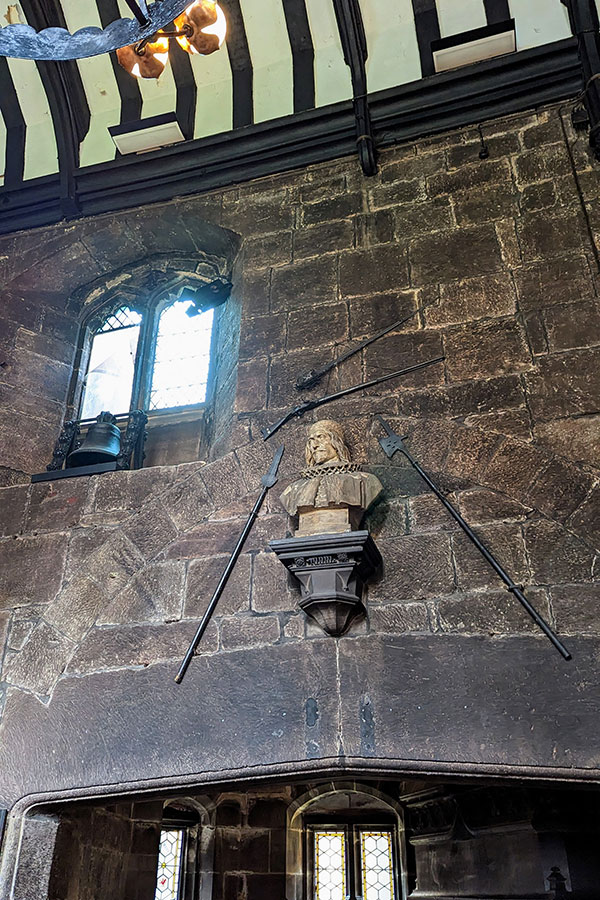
<point>24,42</point>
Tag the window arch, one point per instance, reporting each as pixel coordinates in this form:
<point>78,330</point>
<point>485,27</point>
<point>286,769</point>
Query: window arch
<point>345,839</point>
<point>151,353</point>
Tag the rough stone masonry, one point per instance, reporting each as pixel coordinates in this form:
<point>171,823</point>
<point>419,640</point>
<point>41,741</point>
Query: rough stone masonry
<point>103,579</point>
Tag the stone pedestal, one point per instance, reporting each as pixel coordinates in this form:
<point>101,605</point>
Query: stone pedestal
<point>332,570</point>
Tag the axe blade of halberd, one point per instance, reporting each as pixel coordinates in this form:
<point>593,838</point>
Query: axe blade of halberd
<point>393,441</point>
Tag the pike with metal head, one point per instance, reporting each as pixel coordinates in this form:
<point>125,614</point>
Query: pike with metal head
<point>394,442</point>
<point>304,382</point>
<point>268,481</point>
<point>305,407</point>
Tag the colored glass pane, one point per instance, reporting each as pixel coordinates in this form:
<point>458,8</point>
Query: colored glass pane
<point>169,864</point>
<point>330,865</point>
<point>376,865</point>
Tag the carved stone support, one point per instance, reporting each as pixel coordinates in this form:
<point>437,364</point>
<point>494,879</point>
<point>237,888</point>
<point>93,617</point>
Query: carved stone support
<point>64,445</point>
<point>332,570</point>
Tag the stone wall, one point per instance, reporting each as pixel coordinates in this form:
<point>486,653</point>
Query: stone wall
<point>103,579</point>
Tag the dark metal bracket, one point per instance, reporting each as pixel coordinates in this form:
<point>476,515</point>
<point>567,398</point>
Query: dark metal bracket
<point>354,46</point>
<point>585,25</point>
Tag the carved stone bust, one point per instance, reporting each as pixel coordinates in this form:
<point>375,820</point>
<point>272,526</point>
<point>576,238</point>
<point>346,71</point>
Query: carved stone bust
<point>333,494</point>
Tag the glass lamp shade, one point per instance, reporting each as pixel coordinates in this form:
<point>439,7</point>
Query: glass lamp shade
<point>204,25</point>
<point>149,62</point>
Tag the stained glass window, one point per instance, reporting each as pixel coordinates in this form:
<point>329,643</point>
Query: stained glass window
<point>182,357</point>
<point>353,861</point>
<point>376,865</point>
<point>170,856</point>
<point>109,379</point>
<point>330,865</point>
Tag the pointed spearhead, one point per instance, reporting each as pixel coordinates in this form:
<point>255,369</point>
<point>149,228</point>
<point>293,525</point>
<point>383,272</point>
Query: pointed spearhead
<point>270,478</point>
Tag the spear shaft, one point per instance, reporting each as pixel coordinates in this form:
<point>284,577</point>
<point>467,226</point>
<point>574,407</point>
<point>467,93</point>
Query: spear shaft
<point>394,442</point>
<point>267,481</point>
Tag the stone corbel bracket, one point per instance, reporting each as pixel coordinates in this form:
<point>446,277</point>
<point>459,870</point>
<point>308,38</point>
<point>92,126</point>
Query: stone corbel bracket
<point>332,570</point>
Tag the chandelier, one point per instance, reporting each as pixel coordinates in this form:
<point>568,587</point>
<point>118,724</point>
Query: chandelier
<point>142,43</point>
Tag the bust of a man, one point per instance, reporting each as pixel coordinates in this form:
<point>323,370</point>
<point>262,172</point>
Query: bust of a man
<point>333,494</point>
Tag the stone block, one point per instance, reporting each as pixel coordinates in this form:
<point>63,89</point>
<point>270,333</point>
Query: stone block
<point>576,608</point>
<point>76,607</point>
<point>370,314</point>
<point>31,569</point>
<point>330,237</point>
<point>481,506</point>
<point>504,541</point>
<point>491,613</point>
<point>336,206</point>
<point>270,589</point>
<point>514,467</point>
<point>43,658</point>
<point>478,396</point>
<point>251,388</point>
<point>538,196</point>
<point>410,167</point>
<point>484,204</point>
<point>36,857</point>
<point>45,344</point>
<point>509,243</point>
<point>224,480</point>
<point>553,281</point>
<point>577,439</point>
<point>293,628</point>
<point>375,228</point>
<point>117,494</point>
<point>316,327</point>
<point>573,326</point>
<point>470,453</point>
<point>402,350</point>
<point>557,556</point>
<point>536,334</point>
<point>414,567</point>
<point>397,193</point>
<point>469,177</point>
<point>567,384</point>
<point>498,146</point>
<point>57,505</point>
<point>387,519</point>
<point>549,132</point>
<point>187,502</point>
<point>512,422</point>
<point>320,187</point>
<point>486,349</point>
<point>474,298</point>
<point>203,577</point>
<point>305,283</point>
<point>450,255</point>
<point>377,270</point>
<point>138,645</point>
<point>154,595</point>
<point>262,334</point>
<point>585,521</point>
<point>13,503</point>
<point>558,490</point>
<point>151,529</point>
<point>39,375</point>
<point>255,290</point>
<point>426,513</point>
<point>240,632</point>
<point>542,236</point>
<point>399,618</point>
<point>268,250</point>
<point>113,563</point>
<point>283,372</point>
<point>258,214</point>
<point>542,163</point>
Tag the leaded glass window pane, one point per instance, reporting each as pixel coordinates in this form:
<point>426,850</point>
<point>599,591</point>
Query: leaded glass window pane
<point>182,357</point>
<point>376,865</point>
<point>169,864</point>
<point>109,379</point>
<point>330,865</point>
